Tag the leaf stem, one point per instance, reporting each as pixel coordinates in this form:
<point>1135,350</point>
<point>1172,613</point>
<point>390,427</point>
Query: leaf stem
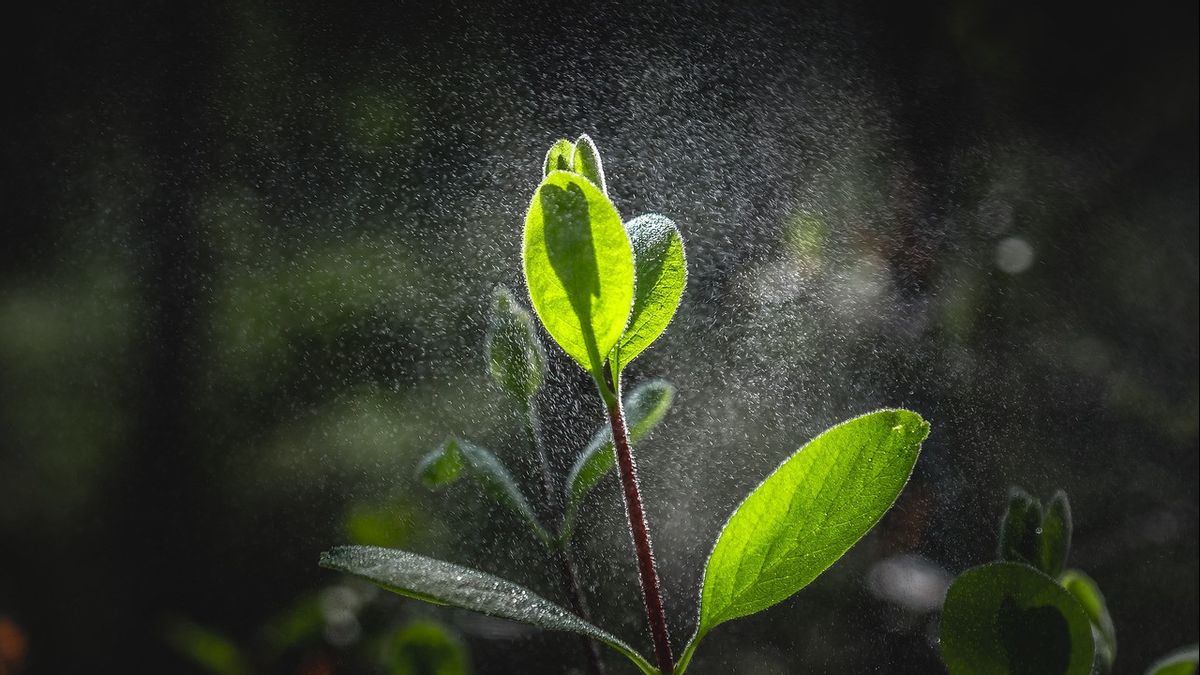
<point>647,570</point>
<point>569,577</point>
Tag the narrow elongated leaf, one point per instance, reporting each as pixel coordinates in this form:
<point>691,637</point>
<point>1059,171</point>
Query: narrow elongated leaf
<point>559,157</point>
<point>661,276</point>
<point>1184,661</point>
<point>1087,593</point>
<point>807,514</point>
<point>644,407</point>
<point>1056,535</point>
<point>586,162</point>
<point>515,357</point>
<point>444,583</point>
<point>1020,536</point>
<point>579,267</point>
<point>1010,619</point>
<point>446,464</point>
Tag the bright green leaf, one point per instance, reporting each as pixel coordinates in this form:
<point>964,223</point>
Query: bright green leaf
<point>807,514</point>
<point>515,357</point>
<point>644,407</point>
<point>586,162</point>
<point>425,648</point>
<point>1056,535</point>
<point>487,470</point>
<point>1010,619</point>
<point>661,276</point>
<point>559,157</point>
<point>1020,536</point>
<point>579,267</point>
<point>444,583</point>
<point>1088,595</point>
<point>1184,661</point>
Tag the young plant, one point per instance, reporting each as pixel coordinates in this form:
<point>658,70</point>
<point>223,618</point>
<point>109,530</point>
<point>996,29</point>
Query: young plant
<point>605,289</point>
<point>1028,613</point>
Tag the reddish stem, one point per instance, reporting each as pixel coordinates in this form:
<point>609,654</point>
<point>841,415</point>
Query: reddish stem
<point>641,536</point>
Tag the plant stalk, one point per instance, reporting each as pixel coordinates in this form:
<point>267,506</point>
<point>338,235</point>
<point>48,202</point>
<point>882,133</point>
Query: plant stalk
<point>569,577</point>
<point>647,570</point>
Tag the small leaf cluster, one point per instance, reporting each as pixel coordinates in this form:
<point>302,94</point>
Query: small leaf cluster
<point>1029,612</point>
<point>605,289</point>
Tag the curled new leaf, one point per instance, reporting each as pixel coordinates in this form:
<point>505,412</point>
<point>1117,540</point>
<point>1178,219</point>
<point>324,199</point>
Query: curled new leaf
<point>444,583</point>
<point>644,407</point>
<point>515,356</point>
<point>579,267</point>
<point>559,157</point>
<point>806,515</point>
<point>1010,619</point>
<point>1020,539</point>
<point>446,464</point>
<point>1056,535</point>
<point>1041,539</point>
<point>661,271</point>
<point>585,161</point>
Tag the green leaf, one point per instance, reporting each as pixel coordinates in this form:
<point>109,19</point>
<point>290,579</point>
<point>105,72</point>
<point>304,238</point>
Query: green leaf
<point>515,356</point>
<point>444,465</point>
<point>1010,619</point>
<point>425,648</point>
<point>585,161</point>
<point>559,157</point>
<point>807,514</point>
<point>302,620</point>
<point>661,276</point>
<point>1088,595</point>
<point>444,583</point>
<point>207,649</point>
<point>1056,535</point>
<point>1020,539</point>
<point>579,267</point>
<point>379,524</point>
<point>644,407</point>
<point>1183,661</point>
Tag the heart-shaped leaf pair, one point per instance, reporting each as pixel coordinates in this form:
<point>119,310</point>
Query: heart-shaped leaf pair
<point>1035,536</point>
<point>580,157</point>
<point>604,290</point>
<point>1026,614</point>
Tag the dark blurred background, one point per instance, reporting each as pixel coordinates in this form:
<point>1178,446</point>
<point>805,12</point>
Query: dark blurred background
<point>247,256</point>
